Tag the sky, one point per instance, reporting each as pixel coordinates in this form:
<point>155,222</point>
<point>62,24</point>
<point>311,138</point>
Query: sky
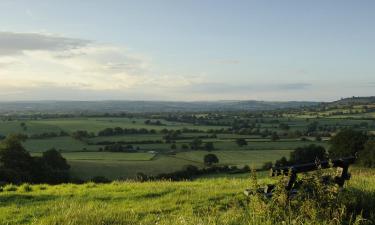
<point>186,50</point>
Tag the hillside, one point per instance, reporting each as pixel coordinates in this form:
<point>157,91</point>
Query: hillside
<point>355,101</point>
<point>213,201</point>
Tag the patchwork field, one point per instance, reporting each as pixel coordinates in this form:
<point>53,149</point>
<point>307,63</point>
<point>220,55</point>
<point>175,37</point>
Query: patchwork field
<point>152,154</point>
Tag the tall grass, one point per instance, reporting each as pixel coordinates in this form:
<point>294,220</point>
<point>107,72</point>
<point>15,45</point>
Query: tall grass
<point>211,201</point>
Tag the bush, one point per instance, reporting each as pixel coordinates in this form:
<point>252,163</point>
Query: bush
<point>25,188</point>
<point>267,165</point>
<point>210,159</point>
<point>313,203</point>
<point>100,179</point>
<point>10,187</point>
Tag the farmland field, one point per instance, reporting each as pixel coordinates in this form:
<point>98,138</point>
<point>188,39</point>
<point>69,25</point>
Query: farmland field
<point>147,150</point>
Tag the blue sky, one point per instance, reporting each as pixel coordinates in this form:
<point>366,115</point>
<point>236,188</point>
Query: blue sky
<point>186,50</point>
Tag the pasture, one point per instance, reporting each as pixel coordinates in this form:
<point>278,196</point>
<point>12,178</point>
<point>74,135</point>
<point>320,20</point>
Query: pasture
<point>205,201</point>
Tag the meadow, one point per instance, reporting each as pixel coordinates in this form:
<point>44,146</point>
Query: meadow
<point>204,201</point>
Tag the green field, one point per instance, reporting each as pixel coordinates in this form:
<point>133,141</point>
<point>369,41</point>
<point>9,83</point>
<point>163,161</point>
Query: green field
<point>254,158</point>
<point>85,165</point>
<point>205,201</point>
<point>87,159</point>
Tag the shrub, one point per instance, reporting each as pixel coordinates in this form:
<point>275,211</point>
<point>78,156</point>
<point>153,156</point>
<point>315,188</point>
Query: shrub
<point>25,188</point>
<point>10,187</point>
<point>100,179</point>
<point>210,159</point>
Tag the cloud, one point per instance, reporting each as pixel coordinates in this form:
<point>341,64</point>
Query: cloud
<point>16,43</point>
<point>36,61</point>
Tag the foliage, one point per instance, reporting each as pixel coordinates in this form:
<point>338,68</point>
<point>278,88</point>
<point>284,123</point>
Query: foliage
<point>367,156</point>
<point>308,154</point>
<point>17,166</point>
<point>347,143</point>
<point>210,159</point>
<point>241,142</point>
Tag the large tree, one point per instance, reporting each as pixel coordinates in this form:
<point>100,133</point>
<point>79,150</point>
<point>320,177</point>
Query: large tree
<point>308,154</point>
<point>15,162</point>
<point>367,156</point>
<point>347,143</point>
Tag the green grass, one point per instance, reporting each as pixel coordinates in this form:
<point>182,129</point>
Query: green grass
<point>60,143</point>
<point>254,158</point>
<point>128,138</point>
<point>115,169</point>
<point>85,165</point>
<point>33,127</point>
<point>205,201</point>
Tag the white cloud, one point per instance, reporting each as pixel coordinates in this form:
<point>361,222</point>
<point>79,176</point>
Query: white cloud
<point>37,60</point>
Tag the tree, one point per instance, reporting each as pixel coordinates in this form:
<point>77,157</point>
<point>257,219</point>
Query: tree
<point>267,165</point>
<point>308,154</point>
<point>347,143</point>
<point>284,126</point>
<point>281,162</point>
<point>16,164</point>
<point>367,156</point>
<point>241,142</point>
<point>15,161</point>
<point>275,137</point>
<point>196,144</point>
<point>53,159</point>
<point>210,159</point>
<point>209,146</point>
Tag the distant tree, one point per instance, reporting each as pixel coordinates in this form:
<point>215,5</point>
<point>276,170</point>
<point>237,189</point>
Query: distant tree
<point>54,160</point>
<point>196,144</point>
<point>275,137</point>
<point>241,142</point>
<point>284,126</point>
<point>282,162</point>
<point>346,143</point>
<point>210,159</point>
<point>173,146</point>
<point>209,146</point>
<point>312,127</point>
<point>80,134</point>
<point>308,154</point>
<point>184,147</point>
<point>267,165</point>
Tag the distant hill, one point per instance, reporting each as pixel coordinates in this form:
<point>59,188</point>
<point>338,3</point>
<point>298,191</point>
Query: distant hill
<point>355,101</point>
<point>144,106</point>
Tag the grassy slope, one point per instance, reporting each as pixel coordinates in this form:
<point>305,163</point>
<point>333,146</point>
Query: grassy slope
<point>214,201</point>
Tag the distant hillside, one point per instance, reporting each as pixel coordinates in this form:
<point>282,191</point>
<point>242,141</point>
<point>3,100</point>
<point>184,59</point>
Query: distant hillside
<point>355,101</point>
<point>143,106</point>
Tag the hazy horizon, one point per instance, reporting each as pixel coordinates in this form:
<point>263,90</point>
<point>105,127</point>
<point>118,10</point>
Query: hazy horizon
<point>186,50</point>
